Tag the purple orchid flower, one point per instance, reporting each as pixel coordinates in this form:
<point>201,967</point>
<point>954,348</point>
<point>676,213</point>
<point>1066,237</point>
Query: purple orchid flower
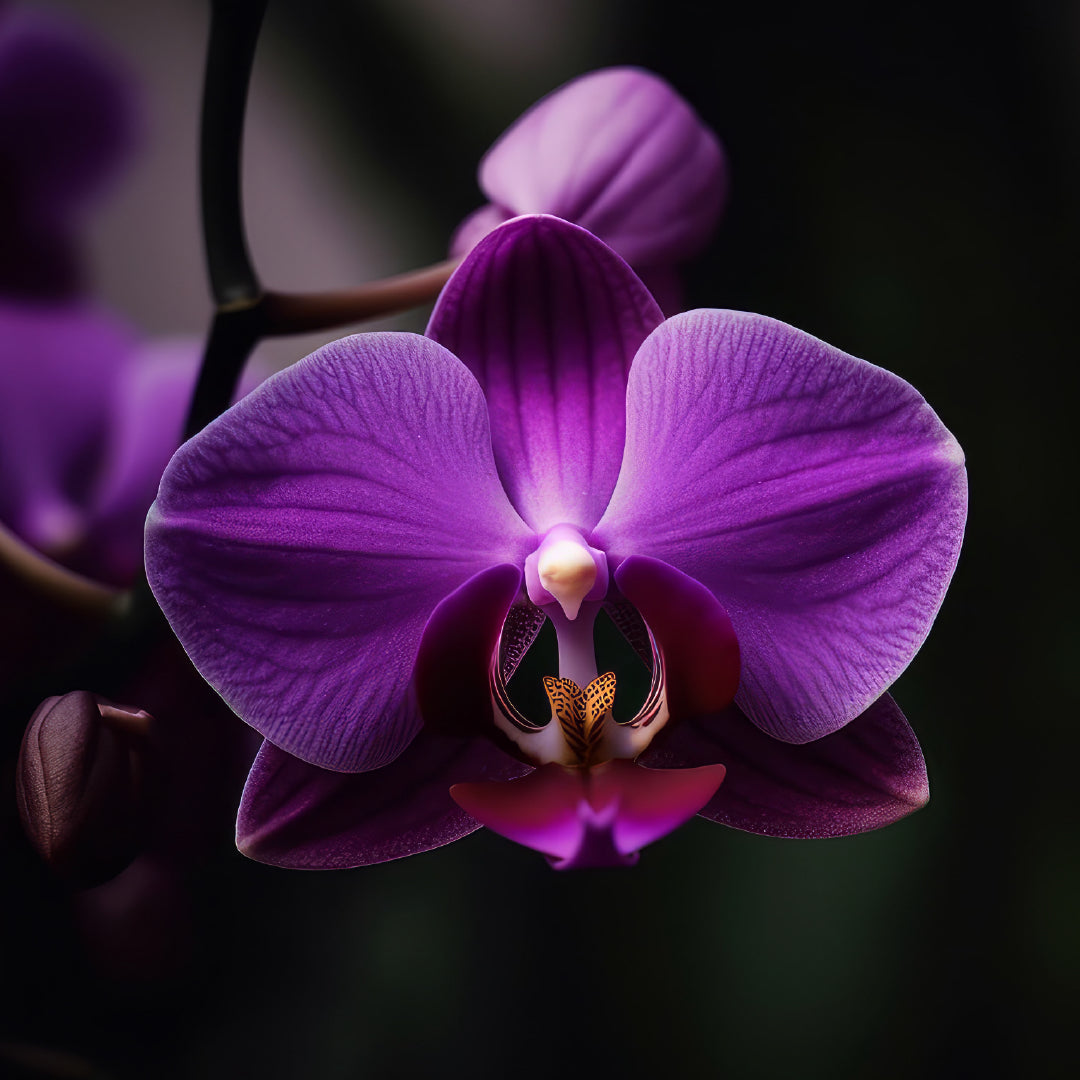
<point>620,153</point>
<point>89,417</point>
<point>363,557</point>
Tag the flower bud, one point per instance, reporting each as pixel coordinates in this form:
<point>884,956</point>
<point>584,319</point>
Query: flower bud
<point>81,785</point>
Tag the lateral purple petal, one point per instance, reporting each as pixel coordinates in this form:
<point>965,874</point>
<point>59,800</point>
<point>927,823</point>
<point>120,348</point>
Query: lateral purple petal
<point>548,319</point>
<point>296,815</point>
<point>299,543</point>
<point>620,153</point>
<point>869,774</point>
<point>818,497</point>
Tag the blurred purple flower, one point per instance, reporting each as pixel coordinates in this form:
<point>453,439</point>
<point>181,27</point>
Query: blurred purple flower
<point>89,417</point>
<point>342,556</point>
<point>621,154</point>
<point>67,124</point>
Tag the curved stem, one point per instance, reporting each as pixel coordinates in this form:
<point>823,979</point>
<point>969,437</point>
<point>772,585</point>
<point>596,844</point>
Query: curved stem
<point>234,30</point>
<point>297,313</point>
<point>71,591</point>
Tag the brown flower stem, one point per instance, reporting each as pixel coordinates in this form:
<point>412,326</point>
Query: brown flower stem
<point>298,313</point>
<point>54,583</point>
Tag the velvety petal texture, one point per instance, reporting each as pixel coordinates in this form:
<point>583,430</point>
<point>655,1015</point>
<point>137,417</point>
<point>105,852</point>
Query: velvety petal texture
<point>868,774</point>
<point>549,319</point>
<point>296,815</point>
<point>620,153</point>
<point>300,543</point>
<point>818,497</point>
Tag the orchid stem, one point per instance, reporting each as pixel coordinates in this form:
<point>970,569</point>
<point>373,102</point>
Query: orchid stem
<point>234,30</point>
<point>244,312</point>
<point>297,313</point>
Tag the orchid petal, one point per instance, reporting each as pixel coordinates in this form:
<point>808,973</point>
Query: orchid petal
<point>620,153</point>
<point>818,497</point>
<point>548,319</point>
<point>693,632</point>
<point>300,543</point>
<point>296,815</point>
<point>866,775</point>
<point>451,676</point>
<point>601,817</point>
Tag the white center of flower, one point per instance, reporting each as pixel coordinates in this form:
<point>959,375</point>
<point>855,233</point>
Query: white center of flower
<point>568,572</point>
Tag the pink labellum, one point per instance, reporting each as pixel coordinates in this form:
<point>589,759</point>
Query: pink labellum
<point>590,817</point>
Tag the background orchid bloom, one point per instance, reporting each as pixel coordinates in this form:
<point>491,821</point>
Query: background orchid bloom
<point>350,556</point>
<point>89,415</point>
<point>620,153</point>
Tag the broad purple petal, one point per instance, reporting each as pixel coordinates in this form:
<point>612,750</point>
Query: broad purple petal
<point>866,775</point>
<point>693,632</point>
<point>549,319</point>
<point>296,815</point>
<point>818,497</point>
<point>300,542</point>
<point>620,153</point>
<point>60,366</point>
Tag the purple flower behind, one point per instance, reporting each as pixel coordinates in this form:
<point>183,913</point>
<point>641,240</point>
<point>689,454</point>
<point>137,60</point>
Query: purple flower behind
<point>620,153</point>
<point>67,123</point>
<point>362,555</point>
<point>89,416</point>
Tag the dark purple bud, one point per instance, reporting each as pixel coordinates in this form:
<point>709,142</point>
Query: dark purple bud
<point>81,785</point>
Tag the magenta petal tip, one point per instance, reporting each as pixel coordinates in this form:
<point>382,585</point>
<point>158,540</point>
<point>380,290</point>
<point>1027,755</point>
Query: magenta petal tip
<point>590,818</point>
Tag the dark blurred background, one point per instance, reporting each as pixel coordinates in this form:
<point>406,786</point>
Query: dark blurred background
<point>904,186</point>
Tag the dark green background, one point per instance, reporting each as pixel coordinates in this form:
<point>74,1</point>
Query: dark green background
<point>904,186</point>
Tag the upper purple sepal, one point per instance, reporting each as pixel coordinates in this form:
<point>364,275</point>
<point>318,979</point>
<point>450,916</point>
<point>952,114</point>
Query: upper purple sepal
<point>548,319</point>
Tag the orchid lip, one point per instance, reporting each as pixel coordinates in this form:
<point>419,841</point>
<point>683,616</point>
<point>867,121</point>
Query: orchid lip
<point>580,730</point>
